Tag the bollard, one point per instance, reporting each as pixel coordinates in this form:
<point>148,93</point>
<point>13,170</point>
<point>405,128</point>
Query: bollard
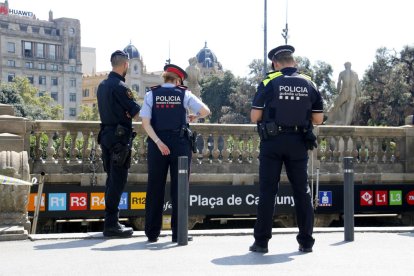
<point>38,202</point>
<point>349,198</point>
<point>182,216</point>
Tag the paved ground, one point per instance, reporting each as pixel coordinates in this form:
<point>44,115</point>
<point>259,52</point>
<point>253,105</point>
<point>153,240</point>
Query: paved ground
<point>375,251</point>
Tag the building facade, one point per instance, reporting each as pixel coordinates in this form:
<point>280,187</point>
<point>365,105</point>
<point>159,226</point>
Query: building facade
<point>137,78</point>
<point>48,53</point>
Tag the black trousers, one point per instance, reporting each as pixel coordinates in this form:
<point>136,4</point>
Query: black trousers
<point>158,166</point>
<point>116,177</point>
<point>288,149</point>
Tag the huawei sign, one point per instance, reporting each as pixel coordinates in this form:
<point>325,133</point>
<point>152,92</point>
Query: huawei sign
<point>3,9</point>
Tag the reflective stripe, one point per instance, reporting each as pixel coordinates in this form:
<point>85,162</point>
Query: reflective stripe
<point>308,78</point>
<point>348,171</point>
<point>271,77</point>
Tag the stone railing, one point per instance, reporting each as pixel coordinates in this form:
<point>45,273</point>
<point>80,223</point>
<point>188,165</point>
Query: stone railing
<point>69,146</point>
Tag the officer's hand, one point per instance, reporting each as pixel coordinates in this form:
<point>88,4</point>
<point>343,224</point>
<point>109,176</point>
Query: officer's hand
<point>192,118</point>
<point>163,148</point>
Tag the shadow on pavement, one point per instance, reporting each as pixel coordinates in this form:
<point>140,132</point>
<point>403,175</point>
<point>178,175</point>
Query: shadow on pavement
<point>142,245</point>
<point>255,259</point>
<point>69,244</point>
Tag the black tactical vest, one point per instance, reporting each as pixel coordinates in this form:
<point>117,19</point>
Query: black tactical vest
<point>291,103</point>
<point>168,112</point>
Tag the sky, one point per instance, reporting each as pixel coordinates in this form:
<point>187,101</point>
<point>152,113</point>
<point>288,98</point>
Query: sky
<point>332,31</point>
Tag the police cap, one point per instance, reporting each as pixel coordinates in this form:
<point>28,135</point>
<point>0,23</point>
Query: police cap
<point>176,70</point>
<point>280,49</point>
<point>119,53</point>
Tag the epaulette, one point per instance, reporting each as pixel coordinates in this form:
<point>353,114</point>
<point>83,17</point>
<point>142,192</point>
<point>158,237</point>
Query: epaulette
<point>182,87</point>
<point>155,87</point>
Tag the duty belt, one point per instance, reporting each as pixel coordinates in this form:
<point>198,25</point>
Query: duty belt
<point>271,129</point>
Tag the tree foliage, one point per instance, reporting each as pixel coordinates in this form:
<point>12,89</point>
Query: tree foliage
<point>23,97</point>
<point>387,89</point>
<point>215,93</point>
<point>89,113</point>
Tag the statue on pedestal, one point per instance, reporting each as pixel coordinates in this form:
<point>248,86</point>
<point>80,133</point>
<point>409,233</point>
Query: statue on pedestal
<point>194,77</point>
<point>348,87</point>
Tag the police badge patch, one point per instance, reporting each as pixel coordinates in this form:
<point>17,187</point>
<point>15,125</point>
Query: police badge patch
<point>129,93</point>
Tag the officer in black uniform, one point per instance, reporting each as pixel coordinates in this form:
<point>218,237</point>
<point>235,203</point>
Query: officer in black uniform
<point>286,106</point>
<point>117,108</point>
<point>164,118</point>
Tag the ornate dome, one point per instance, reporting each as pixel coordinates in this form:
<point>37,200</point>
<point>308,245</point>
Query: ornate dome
<point>132,51</point>
<point>206,57</point>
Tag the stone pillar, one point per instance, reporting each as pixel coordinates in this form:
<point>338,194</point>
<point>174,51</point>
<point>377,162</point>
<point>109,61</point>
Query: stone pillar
<point>409,144</point>
<point>14,146</point>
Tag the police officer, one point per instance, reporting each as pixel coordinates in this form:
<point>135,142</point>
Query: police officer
<point>117,108</point>
<point>286,106</point>
<point>164,118</point>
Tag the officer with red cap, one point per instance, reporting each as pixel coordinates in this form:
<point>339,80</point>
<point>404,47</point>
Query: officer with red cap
<point>165,120</point>
<point>286,106</point>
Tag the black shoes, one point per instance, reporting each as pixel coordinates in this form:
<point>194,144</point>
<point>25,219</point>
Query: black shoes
<point>258,249</point>
<point>152,240</point>
<point>305,249</point>
<point>190,238</point>
<point>119,231</point>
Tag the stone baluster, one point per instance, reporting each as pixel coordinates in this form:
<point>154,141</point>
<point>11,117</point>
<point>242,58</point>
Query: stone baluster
<point>73,150</point>
<point>86,150</point>
<point>388,150</point>
<point>210,148</point>
<point>336,154</point>
<point>371,151</point>
<point>38,149</point>
<point>363,150</point>
<point>322,149</point>
<point>50,150</point>
<point>380,151</point>
<point>216,151</point>
<point>200,149</point>
<point>62,151</point>
<point>226,150</point>
<point>142,149</point>
<point>220,148</point>
<point>355,152</point>
<point>240,149</point>
<point>398,147</point>
<point>346,150</point>
<point>256,149</point>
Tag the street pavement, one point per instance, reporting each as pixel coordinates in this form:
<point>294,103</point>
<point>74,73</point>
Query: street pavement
<point>374,251</point>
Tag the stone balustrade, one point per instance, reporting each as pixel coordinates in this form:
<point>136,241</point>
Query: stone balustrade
<point>69,147</point>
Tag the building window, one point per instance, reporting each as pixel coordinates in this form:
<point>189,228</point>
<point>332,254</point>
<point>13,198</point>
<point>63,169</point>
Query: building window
<point>54,80</point>
<point>52,51</point>
<point>72,52</point>
<point>11,63</point>
<point>72,82</point>
<point>29,65</point>
<point>42,93</point>
<point>23,28</point>
<point>42,80</point>
<point>72,68</point>
<point>54,67</point>
<point>11,47</point>
<point>35,30</point>
<point>48,31</point>
<point>72,97</point>
<point>31,79</point>
<point>54,95</point>
<point>28,52</point>
<point>71,31</point>
<point>40,50</point>
<point>85,93</point>
<point>42,66</point>
<point>72,112</point>
<point>10,77</point>
<point>135,87</point>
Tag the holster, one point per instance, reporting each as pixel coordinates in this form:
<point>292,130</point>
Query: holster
<point>310,138</point>
<point>185,131</point>
<point>120,155</point>
<point>261,129</point>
